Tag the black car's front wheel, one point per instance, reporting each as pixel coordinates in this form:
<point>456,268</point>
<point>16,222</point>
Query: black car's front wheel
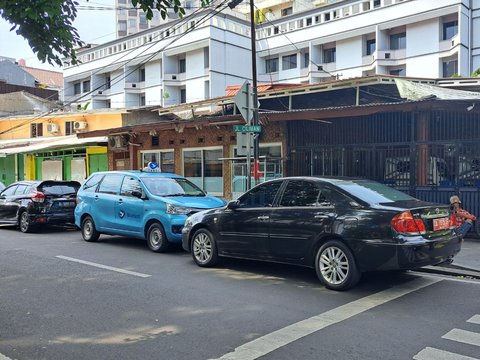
<point>24,223</point>
<point>203,248</point>
<point>89,231</point>
<point>335,266</point>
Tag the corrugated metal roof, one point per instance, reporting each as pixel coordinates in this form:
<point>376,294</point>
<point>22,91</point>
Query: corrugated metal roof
<point>51,79</point>
<point>23,103</point>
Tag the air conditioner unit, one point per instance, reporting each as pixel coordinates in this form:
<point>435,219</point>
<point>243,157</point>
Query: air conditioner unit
<point>117,141</point>
<point>387,55</point>
<point>52,128</point>
<point>80,125</point>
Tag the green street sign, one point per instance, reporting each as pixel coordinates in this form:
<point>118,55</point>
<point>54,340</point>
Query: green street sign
<point>247,128</point>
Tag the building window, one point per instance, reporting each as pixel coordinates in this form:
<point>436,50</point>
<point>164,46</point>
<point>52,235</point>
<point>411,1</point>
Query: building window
<point>107,82</point>
<point>77,88</point>
<point>183,96</point>
<point>204,168</point>
<point>36,130</point>
<point>86,86</point>
<point>287,11</point>
<point>289,62</point>
<point>207,89</point>
<point>142,100</point>
<point>165,159</point>
<point>398,72</point>
<point>69,129</point>
<point>306,60</point>
<point>206,58</point>
<point>182,66</point>
<point>450,68</point>
<point>450,29</point>
<point>141,75</point>
<point>271,65</point>
<point>371,46</point>
<point>330,55</point>
<point>398,41</point>
<point>309,21</point>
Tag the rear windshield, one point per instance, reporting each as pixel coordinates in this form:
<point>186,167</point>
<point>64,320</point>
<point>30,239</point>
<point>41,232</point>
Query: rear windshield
<point>56,189</point>
<point>172,187</point>
<point>373,192</point>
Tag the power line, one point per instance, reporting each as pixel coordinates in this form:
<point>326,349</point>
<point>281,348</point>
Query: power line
<point>208,15</point>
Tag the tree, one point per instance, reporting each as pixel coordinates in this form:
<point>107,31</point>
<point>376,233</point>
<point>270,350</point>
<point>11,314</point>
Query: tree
<point>47,25</point>
<point>476,73</point>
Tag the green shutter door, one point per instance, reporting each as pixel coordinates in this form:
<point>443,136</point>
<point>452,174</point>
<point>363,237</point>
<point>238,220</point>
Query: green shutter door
<point>97,162</point>
<point>7,169</point>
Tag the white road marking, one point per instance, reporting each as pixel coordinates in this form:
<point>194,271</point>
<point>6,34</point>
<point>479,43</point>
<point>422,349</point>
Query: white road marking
<point>270,342</point>
<point>474,319</point>
<point>123,271</point>
<point>435,354</point>
<point>463,336</point>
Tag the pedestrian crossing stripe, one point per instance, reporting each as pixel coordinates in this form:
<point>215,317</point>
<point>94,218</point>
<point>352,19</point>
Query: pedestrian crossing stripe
<point>474,319</point>
<point>463,336</point>
<point>436,354</point>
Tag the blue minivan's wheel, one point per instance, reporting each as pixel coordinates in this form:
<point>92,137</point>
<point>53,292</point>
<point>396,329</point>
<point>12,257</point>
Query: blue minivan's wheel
<point>156,239</point>
<point>89,232</point>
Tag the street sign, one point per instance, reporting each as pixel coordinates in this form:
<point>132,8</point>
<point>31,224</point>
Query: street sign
<point>247,128</point>
<point>244,102</point>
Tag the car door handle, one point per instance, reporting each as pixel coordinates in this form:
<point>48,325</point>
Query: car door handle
<point>263,217</point>
<point>318,216</point>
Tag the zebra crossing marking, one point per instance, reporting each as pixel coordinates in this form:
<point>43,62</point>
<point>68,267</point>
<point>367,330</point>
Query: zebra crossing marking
<point>463,336</point>
<point>435,354</point>
<point>474,319</point>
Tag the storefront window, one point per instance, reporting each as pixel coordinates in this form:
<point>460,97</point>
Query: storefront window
<point>204,168</point>
<point>270,167</point>
<point>165,160</point>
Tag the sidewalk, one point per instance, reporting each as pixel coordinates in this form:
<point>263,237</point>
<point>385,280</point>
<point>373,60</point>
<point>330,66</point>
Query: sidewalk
<point>466,262</point>
<point>469,256</point>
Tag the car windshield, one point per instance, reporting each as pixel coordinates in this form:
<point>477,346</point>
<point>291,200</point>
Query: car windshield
<point>373,192</point>
<point>172,187</point>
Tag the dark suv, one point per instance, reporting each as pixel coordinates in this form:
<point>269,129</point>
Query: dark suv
<point>29,204</point>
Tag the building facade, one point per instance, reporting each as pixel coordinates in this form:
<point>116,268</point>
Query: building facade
<point>185,61</point>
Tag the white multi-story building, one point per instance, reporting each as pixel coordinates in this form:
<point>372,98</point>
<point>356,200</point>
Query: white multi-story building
<point>416,38</point>
<point>194,59</point>
<point>131,20</point>
<point>184,61</point>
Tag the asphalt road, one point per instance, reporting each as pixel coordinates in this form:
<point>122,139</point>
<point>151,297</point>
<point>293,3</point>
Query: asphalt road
<point>63,298</point>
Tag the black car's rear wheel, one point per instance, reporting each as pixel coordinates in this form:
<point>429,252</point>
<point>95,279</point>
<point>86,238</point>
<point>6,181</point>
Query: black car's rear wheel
<point>24,223</point>
<point>203,248</point>
<point>156,239</point>
<point>89,231</point>
<point>335,266</point>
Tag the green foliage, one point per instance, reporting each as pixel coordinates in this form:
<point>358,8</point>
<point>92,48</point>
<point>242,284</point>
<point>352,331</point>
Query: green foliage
<point>476,73</point>
<point>47,25</point>
<point>456,76</point>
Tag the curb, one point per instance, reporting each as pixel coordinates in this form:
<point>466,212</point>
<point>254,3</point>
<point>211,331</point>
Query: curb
<point>453,270</point>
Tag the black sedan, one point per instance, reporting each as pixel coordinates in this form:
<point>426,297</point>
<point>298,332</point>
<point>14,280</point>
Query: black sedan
<point>340,227</point>
<point>30,204</point>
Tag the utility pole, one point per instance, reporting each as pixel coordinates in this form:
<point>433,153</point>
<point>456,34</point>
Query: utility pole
<point>254,91</point>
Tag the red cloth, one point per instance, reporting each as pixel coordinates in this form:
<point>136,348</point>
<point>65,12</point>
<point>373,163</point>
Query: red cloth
<point>460,216</point>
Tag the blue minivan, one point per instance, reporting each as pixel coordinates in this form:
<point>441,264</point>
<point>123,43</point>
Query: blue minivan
<point>142,204</point>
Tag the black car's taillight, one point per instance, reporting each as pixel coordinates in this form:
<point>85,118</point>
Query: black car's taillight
<point>405,223</point>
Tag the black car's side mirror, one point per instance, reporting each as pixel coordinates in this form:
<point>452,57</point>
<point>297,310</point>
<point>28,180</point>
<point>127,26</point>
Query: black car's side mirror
<point>234,204</point>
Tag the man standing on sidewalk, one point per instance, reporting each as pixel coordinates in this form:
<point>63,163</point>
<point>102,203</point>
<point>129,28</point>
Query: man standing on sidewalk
<point>463,219</point>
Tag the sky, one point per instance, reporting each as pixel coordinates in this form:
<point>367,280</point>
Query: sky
<point>94,26</point>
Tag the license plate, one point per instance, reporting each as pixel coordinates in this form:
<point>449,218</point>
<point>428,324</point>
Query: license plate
<point>441,223</point>
<point>67,204</point>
